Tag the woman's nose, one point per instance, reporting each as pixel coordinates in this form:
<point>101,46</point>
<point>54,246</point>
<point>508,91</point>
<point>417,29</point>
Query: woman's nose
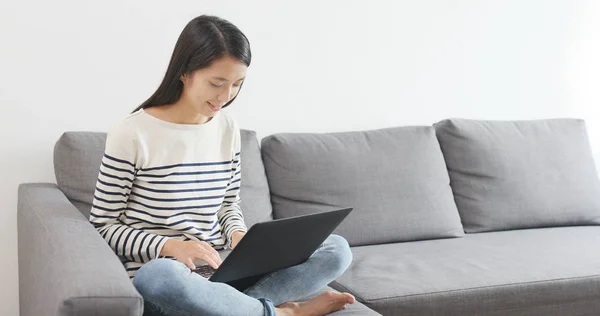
<point>225,96</point>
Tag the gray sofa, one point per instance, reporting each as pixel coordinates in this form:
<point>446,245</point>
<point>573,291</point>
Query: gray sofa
<point>460,218</point>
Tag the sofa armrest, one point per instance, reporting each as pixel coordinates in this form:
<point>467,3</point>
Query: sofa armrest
<point>65,266</point>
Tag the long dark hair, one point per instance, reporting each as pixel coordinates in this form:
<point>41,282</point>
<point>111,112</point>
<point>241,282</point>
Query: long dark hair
<point>204,39</point>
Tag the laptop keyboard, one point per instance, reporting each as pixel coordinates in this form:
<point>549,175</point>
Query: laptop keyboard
<point>205,271</point>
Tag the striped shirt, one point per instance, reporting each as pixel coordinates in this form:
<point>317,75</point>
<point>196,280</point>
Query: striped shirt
<point>161,180</point>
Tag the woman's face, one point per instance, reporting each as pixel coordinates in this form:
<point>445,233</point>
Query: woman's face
<point>208,89</point>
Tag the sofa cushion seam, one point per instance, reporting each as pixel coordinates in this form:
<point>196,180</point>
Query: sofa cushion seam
<point>471,288</point>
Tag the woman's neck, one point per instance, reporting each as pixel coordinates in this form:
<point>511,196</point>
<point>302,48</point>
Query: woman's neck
<point>179,113</point>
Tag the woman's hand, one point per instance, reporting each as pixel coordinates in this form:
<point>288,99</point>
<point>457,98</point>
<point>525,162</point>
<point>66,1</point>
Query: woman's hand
<point>236,236</point>
<point>187,251</point>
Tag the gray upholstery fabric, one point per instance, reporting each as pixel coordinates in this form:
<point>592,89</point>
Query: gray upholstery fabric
<point>77,158</point>
<point>543,271</point>
<point>83,207</point>
<point>65,267</point>
<point>255,195</point>
<point>522,174</point>
<point>395,179</point>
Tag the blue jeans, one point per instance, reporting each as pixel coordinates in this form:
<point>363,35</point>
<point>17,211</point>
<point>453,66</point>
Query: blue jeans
<point>170,288</point>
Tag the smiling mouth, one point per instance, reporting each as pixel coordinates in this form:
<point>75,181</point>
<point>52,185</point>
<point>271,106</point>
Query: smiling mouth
<point>214,108</point>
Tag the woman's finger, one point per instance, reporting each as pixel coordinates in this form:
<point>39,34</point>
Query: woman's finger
<point>190,264</point>
<point>218,259</point>
<point>209,259</point>
<point>208,247</point>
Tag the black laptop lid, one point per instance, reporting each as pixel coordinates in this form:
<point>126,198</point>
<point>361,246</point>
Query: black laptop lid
<point>277,244</point>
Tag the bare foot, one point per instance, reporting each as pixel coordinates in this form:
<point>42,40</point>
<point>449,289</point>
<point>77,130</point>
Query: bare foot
<point>323,304</point>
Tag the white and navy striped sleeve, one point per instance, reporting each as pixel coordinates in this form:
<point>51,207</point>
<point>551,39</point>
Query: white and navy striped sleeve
<point>230,214</point>
<point>115,179</point>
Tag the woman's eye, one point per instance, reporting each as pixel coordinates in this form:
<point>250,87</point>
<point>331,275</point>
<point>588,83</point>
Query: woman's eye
<point>219,86</point>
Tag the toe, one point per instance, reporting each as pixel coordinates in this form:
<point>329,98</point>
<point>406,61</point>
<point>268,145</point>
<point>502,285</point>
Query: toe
<point>349,298</point>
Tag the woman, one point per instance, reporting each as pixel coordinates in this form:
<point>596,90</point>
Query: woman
<point>168,191</point>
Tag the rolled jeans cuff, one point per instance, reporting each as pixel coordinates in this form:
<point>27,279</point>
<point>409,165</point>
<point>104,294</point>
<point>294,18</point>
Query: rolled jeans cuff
<point>269,307</point>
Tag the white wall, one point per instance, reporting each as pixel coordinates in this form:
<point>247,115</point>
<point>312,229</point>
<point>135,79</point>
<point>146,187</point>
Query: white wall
<point>318,66</point>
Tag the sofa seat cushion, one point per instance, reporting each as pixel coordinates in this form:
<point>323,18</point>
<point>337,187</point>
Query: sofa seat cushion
<point>522,272</point>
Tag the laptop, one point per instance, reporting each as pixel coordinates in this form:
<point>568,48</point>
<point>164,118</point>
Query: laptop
<point>274,245</point>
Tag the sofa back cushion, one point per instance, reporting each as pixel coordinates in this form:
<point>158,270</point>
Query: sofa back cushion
<point>395,179</point>
<point>77,158</point>
<point>521,174</point>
